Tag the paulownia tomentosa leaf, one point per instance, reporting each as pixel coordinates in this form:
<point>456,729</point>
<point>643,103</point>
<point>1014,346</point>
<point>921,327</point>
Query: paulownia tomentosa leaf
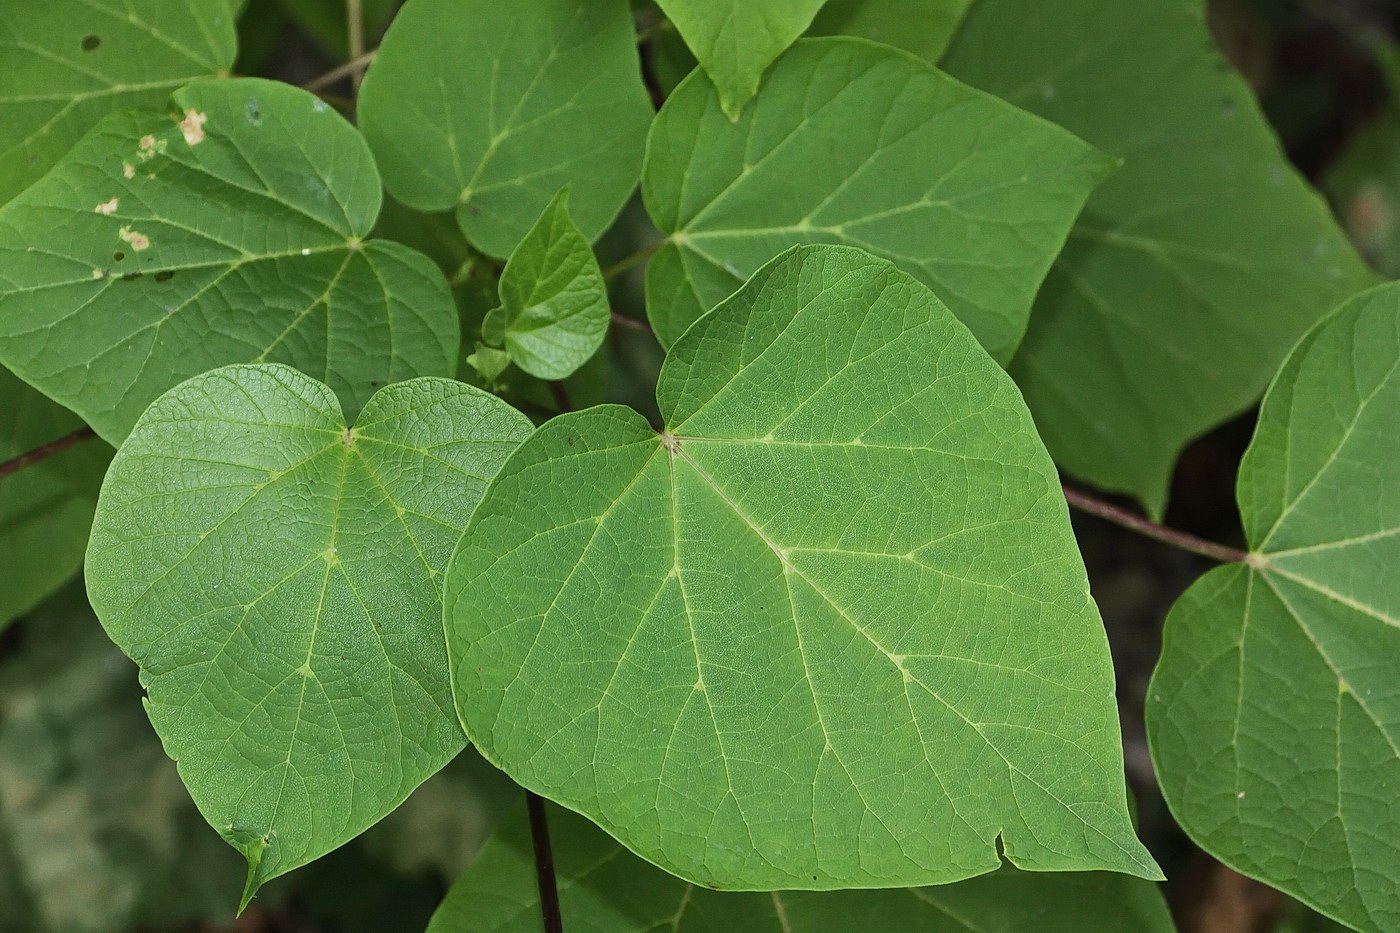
<point>603,888</point>
<point>554,309</point>
<point>828,629</point>
<point>276,576</point>
<point>490,108</point>
<point>46,507</point>
<point>1274,713</point>
<point>231,230</point>
<point>736,40</point>
<point>1193,268</point>
<point>64,64</point>
<point>923,27</point>
<point>860,144</point>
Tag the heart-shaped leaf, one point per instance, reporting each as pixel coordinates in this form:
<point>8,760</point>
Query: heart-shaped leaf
<point>65,64</point>
<point>735,40</point>
<point>923,27</point>
<point>554,304</point>
<point>1274,713</point>
<point>605,888</point>
<point>807,636</point>
<point>491,108</point>
<point>162,247</point>
<point>1193,269</point>
<point>859,144</point>
<point>277,576</point>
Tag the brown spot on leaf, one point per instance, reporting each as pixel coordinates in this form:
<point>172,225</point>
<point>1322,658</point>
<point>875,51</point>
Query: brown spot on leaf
<point>192,126</point>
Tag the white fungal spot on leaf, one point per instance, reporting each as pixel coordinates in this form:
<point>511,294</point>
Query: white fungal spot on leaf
<point>128,170</point>
<point>106,207</point>
<point>193,126</point>
<point>138,241</point>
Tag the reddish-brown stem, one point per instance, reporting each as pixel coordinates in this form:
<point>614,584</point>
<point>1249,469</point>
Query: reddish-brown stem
<point>544,864</point>
<point>29,458</point>
<point>622,320</point>
<point>561,395</point>
<point>1124,518</point>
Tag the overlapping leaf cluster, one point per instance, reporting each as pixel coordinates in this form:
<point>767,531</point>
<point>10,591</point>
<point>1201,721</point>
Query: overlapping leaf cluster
<point>822,623</point>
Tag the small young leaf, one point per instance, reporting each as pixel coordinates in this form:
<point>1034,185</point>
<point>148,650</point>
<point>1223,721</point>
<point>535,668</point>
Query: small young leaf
<point>736,40</point>
<point>491,108</point>
<point>812,634</point>
<point>1193,269</point>
<point>276,576</point>
<point>163,247</point>
<point>1274,715</point>
<point>45,508</point>
<point>923,27</point>
<point>855,143</point>
<point>65,64</point>
<point>489,363</point>
<point>604,887</point>
<point>554,304</point>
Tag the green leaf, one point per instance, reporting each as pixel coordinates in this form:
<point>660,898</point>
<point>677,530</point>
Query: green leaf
<point>491,108</point>
<point>66,64</point>
<point>1273,714</point>
<point>854,143</point>
<point>604,888</point>
<point>276,577</point>
<point>554,304</point>
<point>97,834</point>
<point>46,507</point>
<point>1192,270</point>
<point>923,27</point>
<point>848,500</point>
<point>736,40</point>
<point>231,231</point>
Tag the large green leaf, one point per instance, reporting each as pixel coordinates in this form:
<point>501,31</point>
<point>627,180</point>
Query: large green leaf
<point>736,40</point>
<point>163,247</point>
<point>923,27</point>
<point>1192,270</point>
<point>855,143</point>
<point>491,108</point>
<point>603,888</point>
<point>45,508</point>
<point>829,629</point>
<point>276,576</point>
<point>96,833</point>
<point>1274,713</point>
<point>66,64</point>
<point>554,304</point>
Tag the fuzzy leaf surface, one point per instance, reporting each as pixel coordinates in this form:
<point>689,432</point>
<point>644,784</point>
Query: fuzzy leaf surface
<point>853,143</point>
<point>277,577</point>
<point>1274,713</point>
<point>1192,270</point>
<point>603,888</point>
<point>163,247</point>
<point>66,64</point>
<point>829,630</point>
<point>554,303</point>
<point>490,108</point>
<point>736,40</point>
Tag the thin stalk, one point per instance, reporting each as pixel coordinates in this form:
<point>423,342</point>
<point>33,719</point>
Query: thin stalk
<point>561,395</point>
<point>29,458</point>
<point>544,865</point>
<point>1180,539</point>
<point>354,66</point>
<point>622,320</point>
<point>355,26</point>
<point>637,258</point>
